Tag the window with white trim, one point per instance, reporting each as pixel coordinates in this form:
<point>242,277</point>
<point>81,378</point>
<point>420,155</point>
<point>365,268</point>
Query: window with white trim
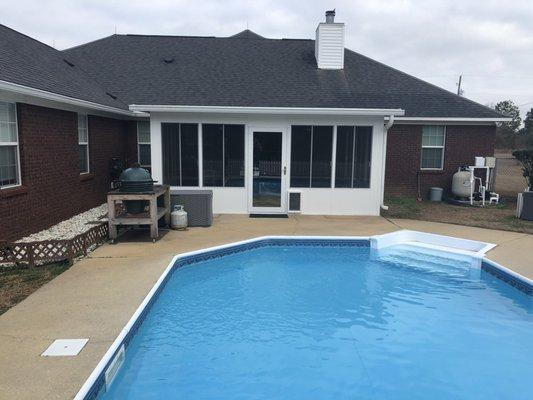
<point>83,143</point>
<point>9,146</point>
<point>143,143</point>
<point>433,138</point>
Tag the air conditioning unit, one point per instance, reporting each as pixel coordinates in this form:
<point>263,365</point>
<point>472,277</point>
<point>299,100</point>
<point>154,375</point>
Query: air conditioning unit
<point>295,202</point>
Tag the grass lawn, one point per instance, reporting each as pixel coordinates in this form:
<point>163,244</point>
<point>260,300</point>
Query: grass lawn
<point>17,283</point>
<point>501,216</point>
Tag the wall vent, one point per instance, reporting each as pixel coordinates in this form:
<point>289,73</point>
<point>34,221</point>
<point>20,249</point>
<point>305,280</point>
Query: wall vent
<point>295,202</point>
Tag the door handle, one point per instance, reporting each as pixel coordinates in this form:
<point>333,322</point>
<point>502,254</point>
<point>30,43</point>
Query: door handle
<point>284,170</point>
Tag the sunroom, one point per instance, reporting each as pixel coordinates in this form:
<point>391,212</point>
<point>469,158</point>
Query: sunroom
<point>270,161</point>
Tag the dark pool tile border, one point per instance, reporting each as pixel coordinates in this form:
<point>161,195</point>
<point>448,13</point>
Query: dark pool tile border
<point>508,278</point>
<point>205,256</point>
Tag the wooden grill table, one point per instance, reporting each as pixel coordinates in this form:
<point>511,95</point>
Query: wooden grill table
<point>145,218</point>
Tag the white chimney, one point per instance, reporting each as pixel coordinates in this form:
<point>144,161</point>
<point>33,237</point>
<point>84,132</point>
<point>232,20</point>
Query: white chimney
<point>329,43</point>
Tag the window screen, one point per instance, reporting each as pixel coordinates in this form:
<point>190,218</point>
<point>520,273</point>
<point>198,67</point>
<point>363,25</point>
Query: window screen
<point>143,143</point>
<point>83,143</point>
<point>9,146</point>
<point>433,147</point>
<point>353,156</point>
<point>223,155</point>
<point>311,150</point>
<point>180,154</point>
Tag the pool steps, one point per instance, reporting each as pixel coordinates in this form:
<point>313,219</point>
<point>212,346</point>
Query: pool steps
<point>473,248</point>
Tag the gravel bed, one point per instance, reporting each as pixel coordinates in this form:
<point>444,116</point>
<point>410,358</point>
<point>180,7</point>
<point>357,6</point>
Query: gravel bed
<point>71,227</point>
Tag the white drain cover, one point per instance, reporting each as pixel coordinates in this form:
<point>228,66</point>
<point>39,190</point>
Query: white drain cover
<point>65,347</point>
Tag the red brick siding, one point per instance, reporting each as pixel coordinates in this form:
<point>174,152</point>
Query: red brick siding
<point>51,187</point>
<point>404,147</point>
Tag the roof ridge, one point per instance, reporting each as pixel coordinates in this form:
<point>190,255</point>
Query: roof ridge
<point>425,82</point>
<point>90,42</point>
<point>29,37</point>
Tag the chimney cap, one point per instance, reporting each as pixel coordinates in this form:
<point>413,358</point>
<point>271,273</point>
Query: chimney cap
<point>330,16</point>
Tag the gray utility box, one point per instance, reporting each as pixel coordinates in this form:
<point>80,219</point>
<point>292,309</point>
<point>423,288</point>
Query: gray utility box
<point>525,206</point>
<point>197,203</point>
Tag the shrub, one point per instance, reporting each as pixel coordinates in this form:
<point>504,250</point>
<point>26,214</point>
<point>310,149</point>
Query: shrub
<point>525,157</point>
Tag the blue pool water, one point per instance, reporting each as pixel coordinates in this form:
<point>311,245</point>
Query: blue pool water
<point>314,322</point>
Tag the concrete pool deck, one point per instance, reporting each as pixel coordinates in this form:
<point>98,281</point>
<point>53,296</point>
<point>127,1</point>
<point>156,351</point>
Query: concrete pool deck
<point>96,297</point>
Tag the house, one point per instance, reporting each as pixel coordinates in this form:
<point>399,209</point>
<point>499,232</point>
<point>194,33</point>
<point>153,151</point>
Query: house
<point>258,121</point>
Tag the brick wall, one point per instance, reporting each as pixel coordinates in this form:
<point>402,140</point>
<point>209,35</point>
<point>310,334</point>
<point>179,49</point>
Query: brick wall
<point>404,147</point>
<point>52,189</point>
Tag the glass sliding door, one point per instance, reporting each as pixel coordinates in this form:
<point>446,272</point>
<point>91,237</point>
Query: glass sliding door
<point>268,172</point>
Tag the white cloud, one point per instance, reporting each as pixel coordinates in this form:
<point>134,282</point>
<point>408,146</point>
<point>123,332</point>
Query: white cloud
<point>490,43</point>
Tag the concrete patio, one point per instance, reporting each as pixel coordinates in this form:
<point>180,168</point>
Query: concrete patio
<point>96,297</point>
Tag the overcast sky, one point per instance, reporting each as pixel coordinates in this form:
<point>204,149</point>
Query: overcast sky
<point>489,42</point>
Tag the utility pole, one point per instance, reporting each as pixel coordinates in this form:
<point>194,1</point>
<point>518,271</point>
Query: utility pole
<point>459,90</point>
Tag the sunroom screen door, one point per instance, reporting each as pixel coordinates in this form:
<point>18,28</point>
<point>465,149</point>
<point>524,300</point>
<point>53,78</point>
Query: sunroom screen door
<point>268,172</point>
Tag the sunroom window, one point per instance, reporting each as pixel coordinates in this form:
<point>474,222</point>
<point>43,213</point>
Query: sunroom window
<point>223,155</point>
<point>433,138</point>
<point>180,154</point>
<point>9,146</point>
<point>83,143</point>
<point>311,152</point>
<point>143,143</point>
<point>353,156</point>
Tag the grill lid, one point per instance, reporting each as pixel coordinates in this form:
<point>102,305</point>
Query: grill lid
<point>136,179</point>
<point>135,174</point>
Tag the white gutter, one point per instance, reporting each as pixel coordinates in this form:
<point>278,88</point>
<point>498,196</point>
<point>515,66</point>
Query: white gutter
<point>386,128</point>
<point>43,94</point>
<point>267,110</point>
<point>450,119</point>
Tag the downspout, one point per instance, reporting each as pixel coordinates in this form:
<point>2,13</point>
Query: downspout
<point>386,128</point>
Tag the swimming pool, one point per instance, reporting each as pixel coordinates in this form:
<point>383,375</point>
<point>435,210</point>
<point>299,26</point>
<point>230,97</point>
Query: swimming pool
<point>325,319</point>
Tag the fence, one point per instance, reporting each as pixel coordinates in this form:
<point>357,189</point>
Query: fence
<point>46,251</point>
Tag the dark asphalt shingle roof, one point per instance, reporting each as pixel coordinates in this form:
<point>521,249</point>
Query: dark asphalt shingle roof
<point>242,70</point>
<point>249,70</point>
<point>28,62</point>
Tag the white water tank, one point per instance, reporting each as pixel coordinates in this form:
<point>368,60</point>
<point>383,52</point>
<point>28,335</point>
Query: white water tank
<point>178,218</point>
<point>461,184</point>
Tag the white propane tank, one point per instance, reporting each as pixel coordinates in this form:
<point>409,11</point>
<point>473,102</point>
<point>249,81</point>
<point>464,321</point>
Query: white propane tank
<point>178,218</point>
<point>461,184</point>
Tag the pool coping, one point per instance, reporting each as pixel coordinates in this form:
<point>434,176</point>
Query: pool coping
<point>95,381</point>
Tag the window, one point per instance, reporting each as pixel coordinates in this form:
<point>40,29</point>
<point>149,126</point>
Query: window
<point>433,147</point>
<point>83,143</point>
<point>223,155</point>
<point>311,151</point>
<point>143,143</point>
<point>9,146</point>
<point>180,154</point>
<point>354,148</point>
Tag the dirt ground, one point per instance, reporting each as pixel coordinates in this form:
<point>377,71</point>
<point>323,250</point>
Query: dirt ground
<point>17,283</point>
<point>500,216</point>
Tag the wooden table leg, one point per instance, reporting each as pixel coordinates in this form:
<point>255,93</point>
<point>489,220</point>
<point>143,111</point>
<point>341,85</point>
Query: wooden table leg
<point>167,206</point>
<point>113,232</point>
<point>154,232</point>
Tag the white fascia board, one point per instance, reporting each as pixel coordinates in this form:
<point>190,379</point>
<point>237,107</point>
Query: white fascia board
<point>43,94</point>
<point>449,119</point>
<point>267,110</point>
